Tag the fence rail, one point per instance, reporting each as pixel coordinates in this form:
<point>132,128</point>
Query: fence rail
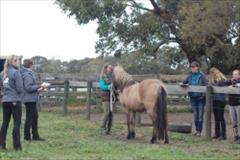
<point>62,88</point>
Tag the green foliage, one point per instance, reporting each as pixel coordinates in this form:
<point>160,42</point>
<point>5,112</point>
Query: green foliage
<point>204,30</point>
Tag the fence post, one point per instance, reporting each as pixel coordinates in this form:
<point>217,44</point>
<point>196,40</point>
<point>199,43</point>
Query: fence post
<point>66,92</point>
<point>208,112</point>
<point>89,87</point>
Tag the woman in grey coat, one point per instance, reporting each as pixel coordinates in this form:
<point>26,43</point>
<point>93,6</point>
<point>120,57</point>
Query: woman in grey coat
<point>30,97</point>
<point>11,101</point>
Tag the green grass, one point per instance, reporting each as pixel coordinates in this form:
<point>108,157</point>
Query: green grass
<point>72,137</point>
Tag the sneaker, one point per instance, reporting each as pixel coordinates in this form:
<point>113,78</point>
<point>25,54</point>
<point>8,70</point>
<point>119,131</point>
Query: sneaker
<point>215,137</point>
<point>197,134</point>
<point>18,149</point>
<point>221,138</point>
<point>237,142</point>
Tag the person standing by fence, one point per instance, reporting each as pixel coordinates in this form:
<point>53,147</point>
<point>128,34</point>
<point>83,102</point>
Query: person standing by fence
<point>11,100</point>
<point>234,104</point>
<point>219,104</point>
<point>196,77</point>
<point>105,85</point>
<point>30,97</point>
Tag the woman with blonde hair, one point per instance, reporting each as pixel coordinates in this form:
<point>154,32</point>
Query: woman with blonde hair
<point>219,104</point>
<point>105,81</point>
<point>11,101</point>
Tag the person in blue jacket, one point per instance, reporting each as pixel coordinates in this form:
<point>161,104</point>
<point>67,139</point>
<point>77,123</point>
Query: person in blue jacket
<point>30,98</point>
<point>219,104</point>
<point>196,77</point>
<point>105,81</point>
<point>11,101</point>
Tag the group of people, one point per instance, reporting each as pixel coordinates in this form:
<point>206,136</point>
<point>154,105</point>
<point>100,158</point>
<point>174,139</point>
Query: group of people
<point>216,78</point>
<point>197,100</point>
<point>19,86</point>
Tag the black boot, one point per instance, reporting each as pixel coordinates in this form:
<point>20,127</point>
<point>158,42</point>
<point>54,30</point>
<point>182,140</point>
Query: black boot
<point>2,144</point>
<point>36,137</point>
<point>223,131</point>
<point>16,140</point>
<point>109,124</point>
<point>217,130</point>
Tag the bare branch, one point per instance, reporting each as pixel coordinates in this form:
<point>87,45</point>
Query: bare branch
<point>156,7</point>
<point>134,4</point>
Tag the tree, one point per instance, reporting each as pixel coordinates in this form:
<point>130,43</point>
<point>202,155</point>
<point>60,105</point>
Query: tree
<point>39,62</point>
<point>204,29</point>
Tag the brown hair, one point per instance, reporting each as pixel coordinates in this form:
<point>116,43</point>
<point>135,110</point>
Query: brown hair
<point>103,70</point>
<point>27,63</point>
<point>216,75</point>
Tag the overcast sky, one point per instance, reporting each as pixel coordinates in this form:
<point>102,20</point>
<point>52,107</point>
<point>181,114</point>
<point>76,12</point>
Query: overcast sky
<point>39,27</point>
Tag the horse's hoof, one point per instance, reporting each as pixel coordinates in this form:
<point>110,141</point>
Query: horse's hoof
<point>152,141</point>
<point>133,134</point>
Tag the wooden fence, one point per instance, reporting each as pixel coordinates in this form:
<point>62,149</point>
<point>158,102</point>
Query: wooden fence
<point>172,89</point>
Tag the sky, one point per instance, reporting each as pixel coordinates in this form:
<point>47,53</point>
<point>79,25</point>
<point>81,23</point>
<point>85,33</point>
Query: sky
<point>39,27</point>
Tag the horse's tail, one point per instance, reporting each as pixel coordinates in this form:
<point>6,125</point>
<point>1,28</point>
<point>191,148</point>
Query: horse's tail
<point>161,113</point>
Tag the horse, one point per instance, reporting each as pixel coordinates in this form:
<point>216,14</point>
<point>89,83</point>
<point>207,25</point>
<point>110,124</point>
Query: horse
<point>147,96</point>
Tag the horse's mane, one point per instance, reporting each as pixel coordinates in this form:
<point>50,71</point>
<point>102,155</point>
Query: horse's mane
<point>122,77</point>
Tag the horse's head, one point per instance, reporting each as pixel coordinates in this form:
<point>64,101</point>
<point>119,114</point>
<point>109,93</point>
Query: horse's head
<point>121,78</point>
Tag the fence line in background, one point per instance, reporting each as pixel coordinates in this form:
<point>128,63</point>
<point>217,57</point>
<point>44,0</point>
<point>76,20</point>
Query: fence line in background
<point>172,89</point>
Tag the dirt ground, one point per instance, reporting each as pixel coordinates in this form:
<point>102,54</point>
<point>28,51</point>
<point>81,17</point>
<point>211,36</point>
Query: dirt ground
<point>172,118</point>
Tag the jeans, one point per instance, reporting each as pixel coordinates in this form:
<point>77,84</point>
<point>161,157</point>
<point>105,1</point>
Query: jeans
<point>107,118</point>
<point>198,111</point>
<point>14,109</point>
<point>31,121</point>
<point>235,118</point>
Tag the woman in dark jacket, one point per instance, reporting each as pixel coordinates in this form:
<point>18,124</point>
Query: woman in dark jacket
<point>219,104</point>
<point>30,97</point>
<point>104,85</point>
<point>11,101</point>
<point>234,104</point>
<point>196,77</point>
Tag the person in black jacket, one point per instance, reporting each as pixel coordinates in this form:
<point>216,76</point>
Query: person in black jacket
<point>234,104</point>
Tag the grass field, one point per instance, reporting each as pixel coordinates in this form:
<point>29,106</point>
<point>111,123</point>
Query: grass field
<point>72,137</point>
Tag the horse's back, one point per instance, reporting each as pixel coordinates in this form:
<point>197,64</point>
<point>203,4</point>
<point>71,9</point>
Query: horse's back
<point>151,85</point>
<point>149,90</point>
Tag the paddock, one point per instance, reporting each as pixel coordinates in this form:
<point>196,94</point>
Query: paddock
<point>69,88</point>
<point>73,132</point>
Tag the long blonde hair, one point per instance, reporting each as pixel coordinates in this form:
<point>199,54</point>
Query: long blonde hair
<point>9,61</point>
<point>216,75</point>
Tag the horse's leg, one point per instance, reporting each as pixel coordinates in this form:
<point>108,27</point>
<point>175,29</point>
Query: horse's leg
<point>154,133</point>
<point>128,125</point>
<point>133,120</point>
<point>166,140</point>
